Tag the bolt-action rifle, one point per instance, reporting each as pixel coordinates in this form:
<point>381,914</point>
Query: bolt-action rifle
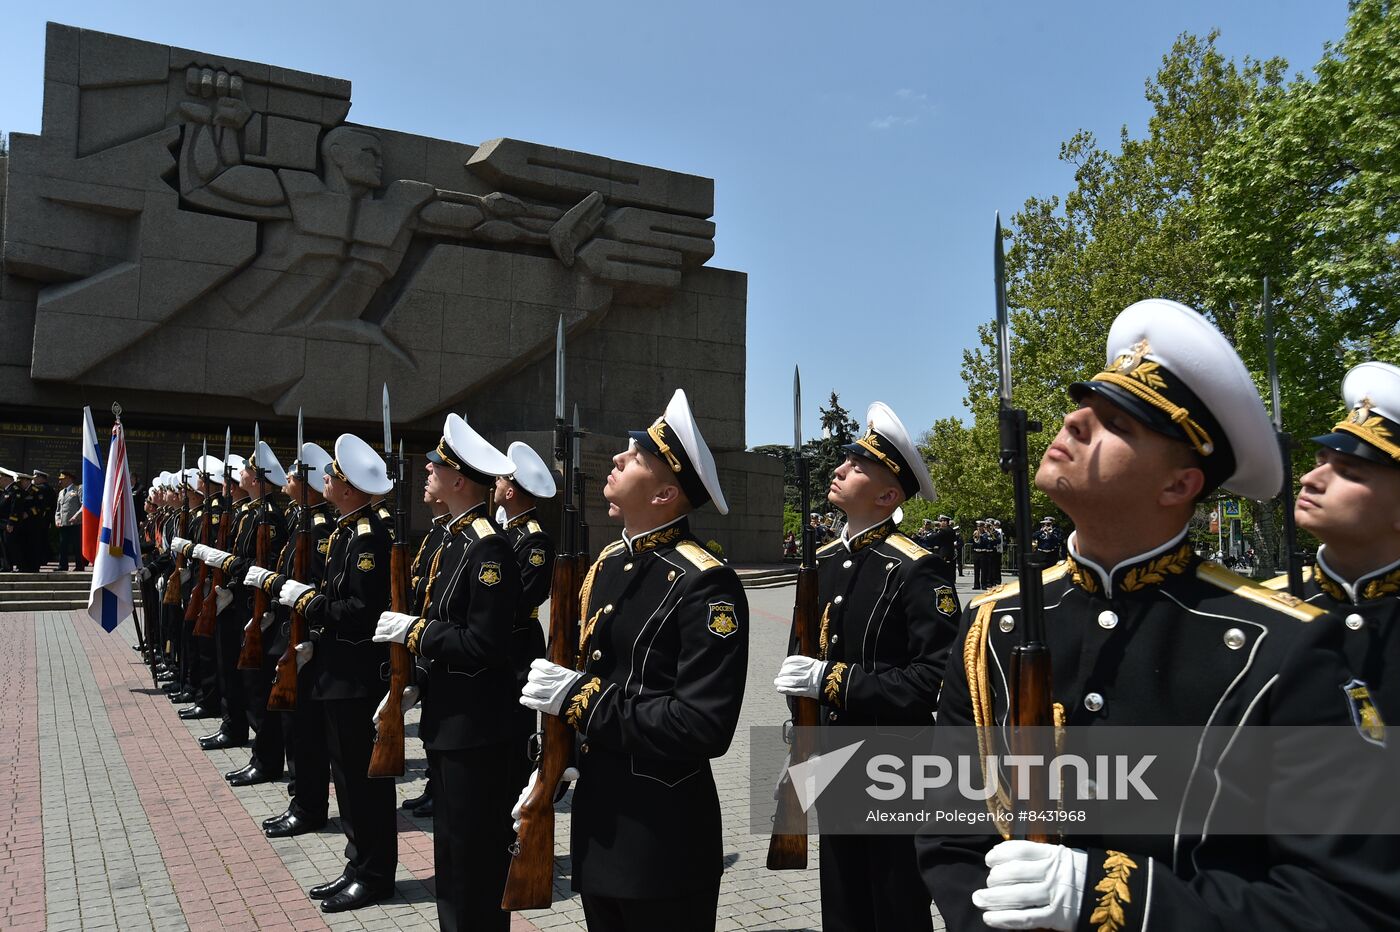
<point>194,611</point>
<point>530,883</point>
<point>209,610</point>
<point>387,757</point>
<point>787,849</point>
<point>250,657</point>
<point>283,695</point>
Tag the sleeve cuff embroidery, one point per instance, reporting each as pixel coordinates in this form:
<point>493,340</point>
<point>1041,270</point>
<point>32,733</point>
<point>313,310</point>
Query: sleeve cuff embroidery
<point>415,636</point>
<point>833,684</point>
<point>305,601</point>
<point>578,705</point>
<point>273,584</point>
<point>1114,893</point>
<point>228,561</point>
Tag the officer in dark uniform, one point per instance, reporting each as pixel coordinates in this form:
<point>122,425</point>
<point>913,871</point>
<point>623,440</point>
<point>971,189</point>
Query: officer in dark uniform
<point>945,543</point>
<point>344,671</point>
<point>471,727</point>
<point>1048,540</point>
<point>983,545</point>
<point>9,494</point>
<point>664,652</point>
<point>47,498</point>
<point>421,573</point>
<point>1351,502</point>
<point>1141,631</point>
<point>517,496</point>
<point>889,614</point>
<point>203,682</point>
<point>19,528</point>
<point>304,726</point>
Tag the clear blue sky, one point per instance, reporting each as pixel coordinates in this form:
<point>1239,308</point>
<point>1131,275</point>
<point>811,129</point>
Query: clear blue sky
<point>858,152</point>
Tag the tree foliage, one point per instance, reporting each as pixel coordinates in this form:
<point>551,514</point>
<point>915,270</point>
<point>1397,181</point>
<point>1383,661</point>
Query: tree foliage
<point>1240,174</point>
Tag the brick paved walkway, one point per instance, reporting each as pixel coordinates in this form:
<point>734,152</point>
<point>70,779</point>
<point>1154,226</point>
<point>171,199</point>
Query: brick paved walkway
<point>121,844</point>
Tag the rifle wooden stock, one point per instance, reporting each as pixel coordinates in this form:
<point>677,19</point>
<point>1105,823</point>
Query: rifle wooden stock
<point>283,697</point>
<point>530,884</point>
<point>193,611</point>
<point>1032,724</point>
<point>250,657</point>
<point>172,585</point>
<point>788,851</point>
<point>387,757</point>
<point>206,626</point>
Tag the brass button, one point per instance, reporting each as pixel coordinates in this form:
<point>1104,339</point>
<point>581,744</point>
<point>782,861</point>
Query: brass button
<point>839,599</point>
<point>597,655</point>
<point>1007,624</point>
<point>831,716</point>
<point>1234,639</point>
<point>607,609</point>
<point>1355,621</point>
<point>846,565</point>
<point>627,567</point>
<point>583,748</point>
<point>671,576</point>
<point>1093,702</point>
<point>1108,620</point>
<point>836,639</point>
<point>890,565</point>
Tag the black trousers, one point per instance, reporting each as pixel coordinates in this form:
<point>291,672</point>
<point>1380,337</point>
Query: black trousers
<point>694,912</point>
<point>476,788</point>
<point>228,642</point>
<point>70,543</point>
<point>310,758</point>
<point>871,883</point>
<point>270,745</point>
<point>367,811</point>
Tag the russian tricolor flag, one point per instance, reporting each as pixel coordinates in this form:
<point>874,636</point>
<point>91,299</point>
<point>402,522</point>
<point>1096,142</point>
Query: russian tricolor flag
<point>118,551</point>
<point>92,488</point>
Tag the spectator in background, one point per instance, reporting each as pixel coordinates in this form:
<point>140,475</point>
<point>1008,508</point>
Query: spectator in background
<point>68,518</point>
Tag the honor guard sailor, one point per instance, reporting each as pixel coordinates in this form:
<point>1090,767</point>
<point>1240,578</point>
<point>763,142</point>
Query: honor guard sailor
<point>344,670</point>
<point>888,616</point>
<point>663,651</point>
<point>1351,502</point>
<point>516,496</point>
<point>203,679</point>
<point>304,727</point>
<point>470,728</point>
<point>423,565</point>
<point>1142,631</point>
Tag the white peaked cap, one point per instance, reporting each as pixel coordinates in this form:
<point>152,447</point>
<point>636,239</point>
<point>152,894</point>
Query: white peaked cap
<point>531,473</point>
<point>357,463</point>
<point>676,439</point>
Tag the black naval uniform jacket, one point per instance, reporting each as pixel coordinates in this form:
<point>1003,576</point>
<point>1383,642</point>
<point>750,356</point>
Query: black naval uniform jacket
<point>253,514</point>
<point>1368,613</point>
<point>889,616</point>
<point>1170,639</point>
<point>465,635</point>
<point>425,560</point>
<point>344,610</point>
<point>534,554</point>
<point>1048,541</point>
<point>664,648</point>
<point>317,521</point>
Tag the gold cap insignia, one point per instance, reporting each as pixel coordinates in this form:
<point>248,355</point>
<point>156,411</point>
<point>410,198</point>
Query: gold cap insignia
<point>722,622</point>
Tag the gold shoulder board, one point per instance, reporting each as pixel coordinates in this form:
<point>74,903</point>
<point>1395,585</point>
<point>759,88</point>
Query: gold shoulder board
<point>826,548</point>
<point>482,527</point>
<point>906,546</point>
<point>1008,589</point>
<point>318,518</point>
<point>1230,581</point>
<point>1281,582</point>
<point>364,527</point>
<point>533,526</point>
<point>702,558</point>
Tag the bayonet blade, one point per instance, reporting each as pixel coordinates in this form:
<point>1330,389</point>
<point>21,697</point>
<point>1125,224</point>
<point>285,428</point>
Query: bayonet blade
<point>401,459</point>
<point>182,462</point>
<point>796,411</point>
<point>388,433</point>
<point>228,446</point>
<point>577,435</point>
<point>257,437</point>
<point>1003,322</point>
<point>204,456</point>
<point>559,371</point>
<point>301,435</point>
<point>1268,308</point>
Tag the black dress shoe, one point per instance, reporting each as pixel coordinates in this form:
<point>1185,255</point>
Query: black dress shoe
<point>273,820</point>
<point>221,741</point>
<point>250,776</point>
<point>330,887</point>
<point>164,676</point>
<point>353,897</point>
<point>424,811</point>
<point>181,697</point>
<point>416,801</point>
<point>291,824</point>
<point>197,711</point>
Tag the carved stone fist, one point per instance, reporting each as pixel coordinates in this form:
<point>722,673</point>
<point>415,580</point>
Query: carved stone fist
<point>225,89</point>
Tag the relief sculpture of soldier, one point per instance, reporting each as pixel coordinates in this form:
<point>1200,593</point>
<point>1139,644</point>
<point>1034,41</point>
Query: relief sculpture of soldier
<point>344,232</point>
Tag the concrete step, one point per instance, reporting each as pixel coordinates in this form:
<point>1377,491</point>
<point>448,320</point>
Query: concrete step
<point>47,605</point>
<point>68,576</point>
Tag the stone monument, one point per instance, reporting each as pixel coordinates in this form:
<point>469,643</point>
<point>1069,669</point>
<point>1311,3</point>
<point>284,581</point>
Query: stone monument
<point>208,239</point>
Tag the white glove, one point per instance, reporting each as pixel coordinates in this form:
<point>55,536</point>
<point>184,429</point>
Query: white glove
<point>211,555</point>
<point>800,676</point>
<point>181,546</point>
<point>304,651</point>
<point>570,774</point>
<point>393,626</point>
<point>256,576</point>
<point>222,598</point>
<point>291,591</point>
<point>1033,885</point>
<point>201,553</point>
<point>160,585</point>
<point>410,699</point>
<point>547,686</point>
